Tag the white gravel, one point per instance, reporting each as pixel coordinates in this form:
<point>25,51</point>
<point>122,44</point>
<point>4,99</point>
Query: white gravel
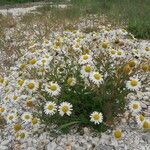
<point>18,11</point>
<point>132,140</point>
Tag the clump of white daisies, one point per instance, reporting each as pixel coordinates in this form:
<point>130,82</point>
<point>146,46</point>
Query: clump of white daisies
<point>76,79</point>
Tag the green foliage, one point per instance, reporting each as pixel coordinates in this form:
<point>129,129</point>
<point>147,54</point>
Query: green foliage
<point>10,2</point>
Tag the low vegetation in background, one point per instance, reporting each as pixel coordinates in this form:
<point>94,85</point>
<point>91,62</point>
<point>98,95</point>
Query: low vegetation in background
<point>12,2</point>
<point>133,15</point>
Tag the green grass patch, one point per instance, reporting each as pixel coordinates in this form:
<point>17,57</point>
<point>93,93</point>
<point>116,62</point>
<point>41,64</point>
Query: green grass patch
<point>134,15</point>
<point>12,2</point>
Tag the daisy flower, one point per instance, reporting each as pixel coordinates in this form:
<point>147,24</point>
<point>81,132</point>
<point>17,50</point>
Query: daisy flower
<point>45,61</point>
<point>113,53</point>
<point>2,109</point>
<point>84,59</point>
<point>96,117</point>
<point>22,135</point>
<point>86,70</point>
<point>133,84</point>
<point>46,43</point>
<point>135,106</point>
<point>29,103</point>
<point>117,134</point>
<point>35,121</point>
<point>77,47</point>
<point>145,67</point>
<point>27,117</point>
<point>146,51</point>
<point>96,78</point>
<point>32,62</point>
<point>105,44</point>
<point>65,108</point>
<point>11,117</point>
<point>71,81</point>
<point>140,118</point>
<point>132,63</point>
<point>120,53</point>
<point>31,85</point>
<point>20,82</point>
<point>17,127</point>
<point>146,124</point>
<point>53,89</point>
<point>50,108</point>
<point>15,97</point>
<point>1,80</point>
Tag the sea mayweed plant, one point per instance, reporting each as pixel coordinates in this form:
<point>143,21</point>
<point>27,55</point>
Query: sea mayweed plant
<point>75,79</point>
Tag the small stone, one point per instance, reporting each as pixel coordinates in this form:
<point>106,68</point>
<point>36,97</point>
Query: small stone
<point>31,148</point>
<point>68,147</point>
<point>51,146</point>
<point>146,138</point>
<point>105,147</point>
<point>5,142</point>
<point>86,131</point>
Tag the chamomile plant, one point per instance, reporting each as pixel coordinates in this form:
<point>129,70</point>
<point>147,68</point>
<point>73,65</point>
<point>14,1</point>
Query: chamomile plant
<point>76,79</point>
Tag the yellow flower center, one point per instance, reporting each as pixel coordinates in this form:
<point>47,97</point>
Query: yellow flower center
<point>132,63</point>
<point>6,98</point>
<point>2,109</point>
<point>46,56</point>
<point>1,80</point>
<point>147,49</point>
<point>34,121</point>
<point>135,106</point>
<point>32,61</point>
<point>69,81</point>
<point>58,43</point>
<point>87,69</point>
<point>113,52</point>
<point>17,135</point>
<point>119,53</point>
<point>65,109</point>
<point>146,125</point>
<point>15,97</point>
<point>85,57</point>
<point>17,127</point>
<point>97,76</point>
<point>134,82</point>
<point>31,86</point>
<point>42,70</point>
<point>50,107</point>
<point>22,135</point>
<point>85,50</point>
<point>29,103</point>
<point>43,61</point>
<point>53,87</point>
<point>20,82</point>
<point>96,117</point>
<point>27,117</point>
<point>11,117</point>
<point>22,66</point>
<point>117,134</point>
<point>46,41</point>
<point>77,46</point>
<point>104,44</point>
<point>141,117</point>
<point>33,50</point>
<point>145,67</point>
